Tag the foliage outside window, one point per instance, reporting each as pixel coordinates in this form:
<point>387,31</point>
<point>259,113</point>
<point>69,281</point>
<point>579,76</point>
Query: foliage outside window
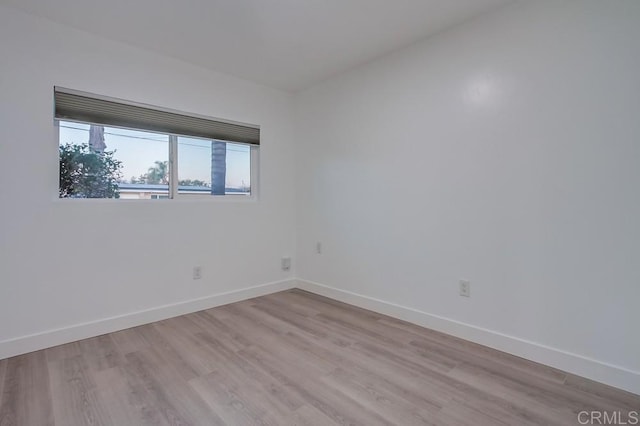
<point>88,174</point>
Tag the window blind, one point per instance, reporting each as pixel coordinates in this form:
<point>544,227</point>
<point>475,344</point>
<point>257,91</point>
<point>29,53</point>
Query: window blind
<point>80,106</point>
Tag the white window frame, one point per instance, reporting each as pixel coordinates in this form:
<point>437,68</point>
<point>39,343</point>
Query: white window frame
<point>174,195</point>
<point>173,174</point>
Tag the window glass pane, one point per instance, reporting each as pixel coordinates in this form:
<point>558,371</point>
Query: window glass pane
<point>213,167</point>
<point>107,162</point>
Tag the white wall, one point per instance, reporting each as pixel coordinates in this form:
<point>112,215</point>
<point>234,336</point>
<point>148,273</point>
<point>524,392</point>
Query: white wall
<point>64,263</point>
<point>504,151</point>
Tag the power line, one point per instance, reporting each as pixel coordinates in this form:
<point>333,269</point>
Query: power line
<point>119,134</point>
<point>154,140</point>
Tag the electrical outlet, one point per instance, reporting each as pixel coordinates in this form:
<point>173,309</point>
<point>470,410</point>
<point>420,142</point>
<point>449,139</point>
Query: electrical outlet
<point>319,247</point>
<point>197,272</point>
<point>285,263</point>
<point>465,288</point>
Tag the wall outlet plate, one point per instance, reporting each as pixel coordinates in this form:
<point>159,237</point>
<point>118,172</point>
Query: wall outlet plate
<point>285,264</point>
<point>197,272</point>
<point>465,288</point>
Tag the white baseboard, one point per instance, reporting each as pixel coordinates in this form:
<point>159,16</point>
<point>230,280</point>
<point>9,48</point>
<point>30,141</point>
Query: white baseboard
<point>599,371</point>
<point>49,338</point>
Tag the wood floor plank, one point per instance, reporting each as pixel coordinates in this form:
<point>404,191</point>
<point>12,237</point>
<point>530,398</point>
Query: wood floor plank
<point>313,326</point>
<point>308,415</point>
<point>75,401</point>
<point>459,414</point>
<point>169,393</point>
<point>225,329</point>
<point>334,404</point>
<point>275,341</point>
<point>3,370</point>
<point>289,318</point>
<point>286,301</point>
<point>527,400</point>
<point>546,392</point>
<point>129,340</point>
<point>283,338</point>
<point>613,396</point>
<point>26,396</point>
<point>390,406</point>
<point>187,346</point>
<point>423,336</point>
<point>127,398</point>
<point>242,372</point>
<point>290,358</point>
<point>100,352</point>
<point>68,350</point>
<point>157,344</point>
<point>231,401</point>
<point>431,386</point>
<point>326,302</point>
<point>432,349</point>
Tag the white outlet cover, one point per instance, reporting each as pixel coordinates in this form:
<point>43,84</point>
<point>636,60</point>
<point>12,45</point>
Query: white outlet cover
<point>286,263</point>
<point>465,288</point>
<point>197,272</point>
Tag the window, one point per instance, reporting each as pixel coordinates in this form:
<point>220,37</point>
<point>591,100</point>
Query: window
<point>115,149</point>
<point>199,160</point>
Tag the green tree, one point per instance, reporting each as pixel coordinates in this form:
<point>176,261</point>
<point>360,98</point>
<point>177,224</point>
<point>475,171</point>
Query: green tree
<point>192,182</point>
<point>85,173</point>
<point>158,173</point>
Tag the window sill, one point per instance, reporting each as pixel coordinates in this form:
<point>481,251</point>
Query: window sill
<point>192,200</point>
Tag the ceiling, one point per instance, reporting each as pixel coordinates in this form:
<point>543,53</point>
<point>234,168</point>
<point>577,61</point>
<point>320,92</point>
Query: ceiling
<point>286,44</point>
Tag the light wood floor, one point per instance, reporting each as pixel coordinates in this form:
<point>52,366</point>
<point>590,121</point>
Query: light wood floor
<point>284,359</point>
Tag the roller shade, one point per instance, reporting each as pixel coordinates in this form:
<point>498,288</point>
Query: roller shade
<point>80,106</point>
